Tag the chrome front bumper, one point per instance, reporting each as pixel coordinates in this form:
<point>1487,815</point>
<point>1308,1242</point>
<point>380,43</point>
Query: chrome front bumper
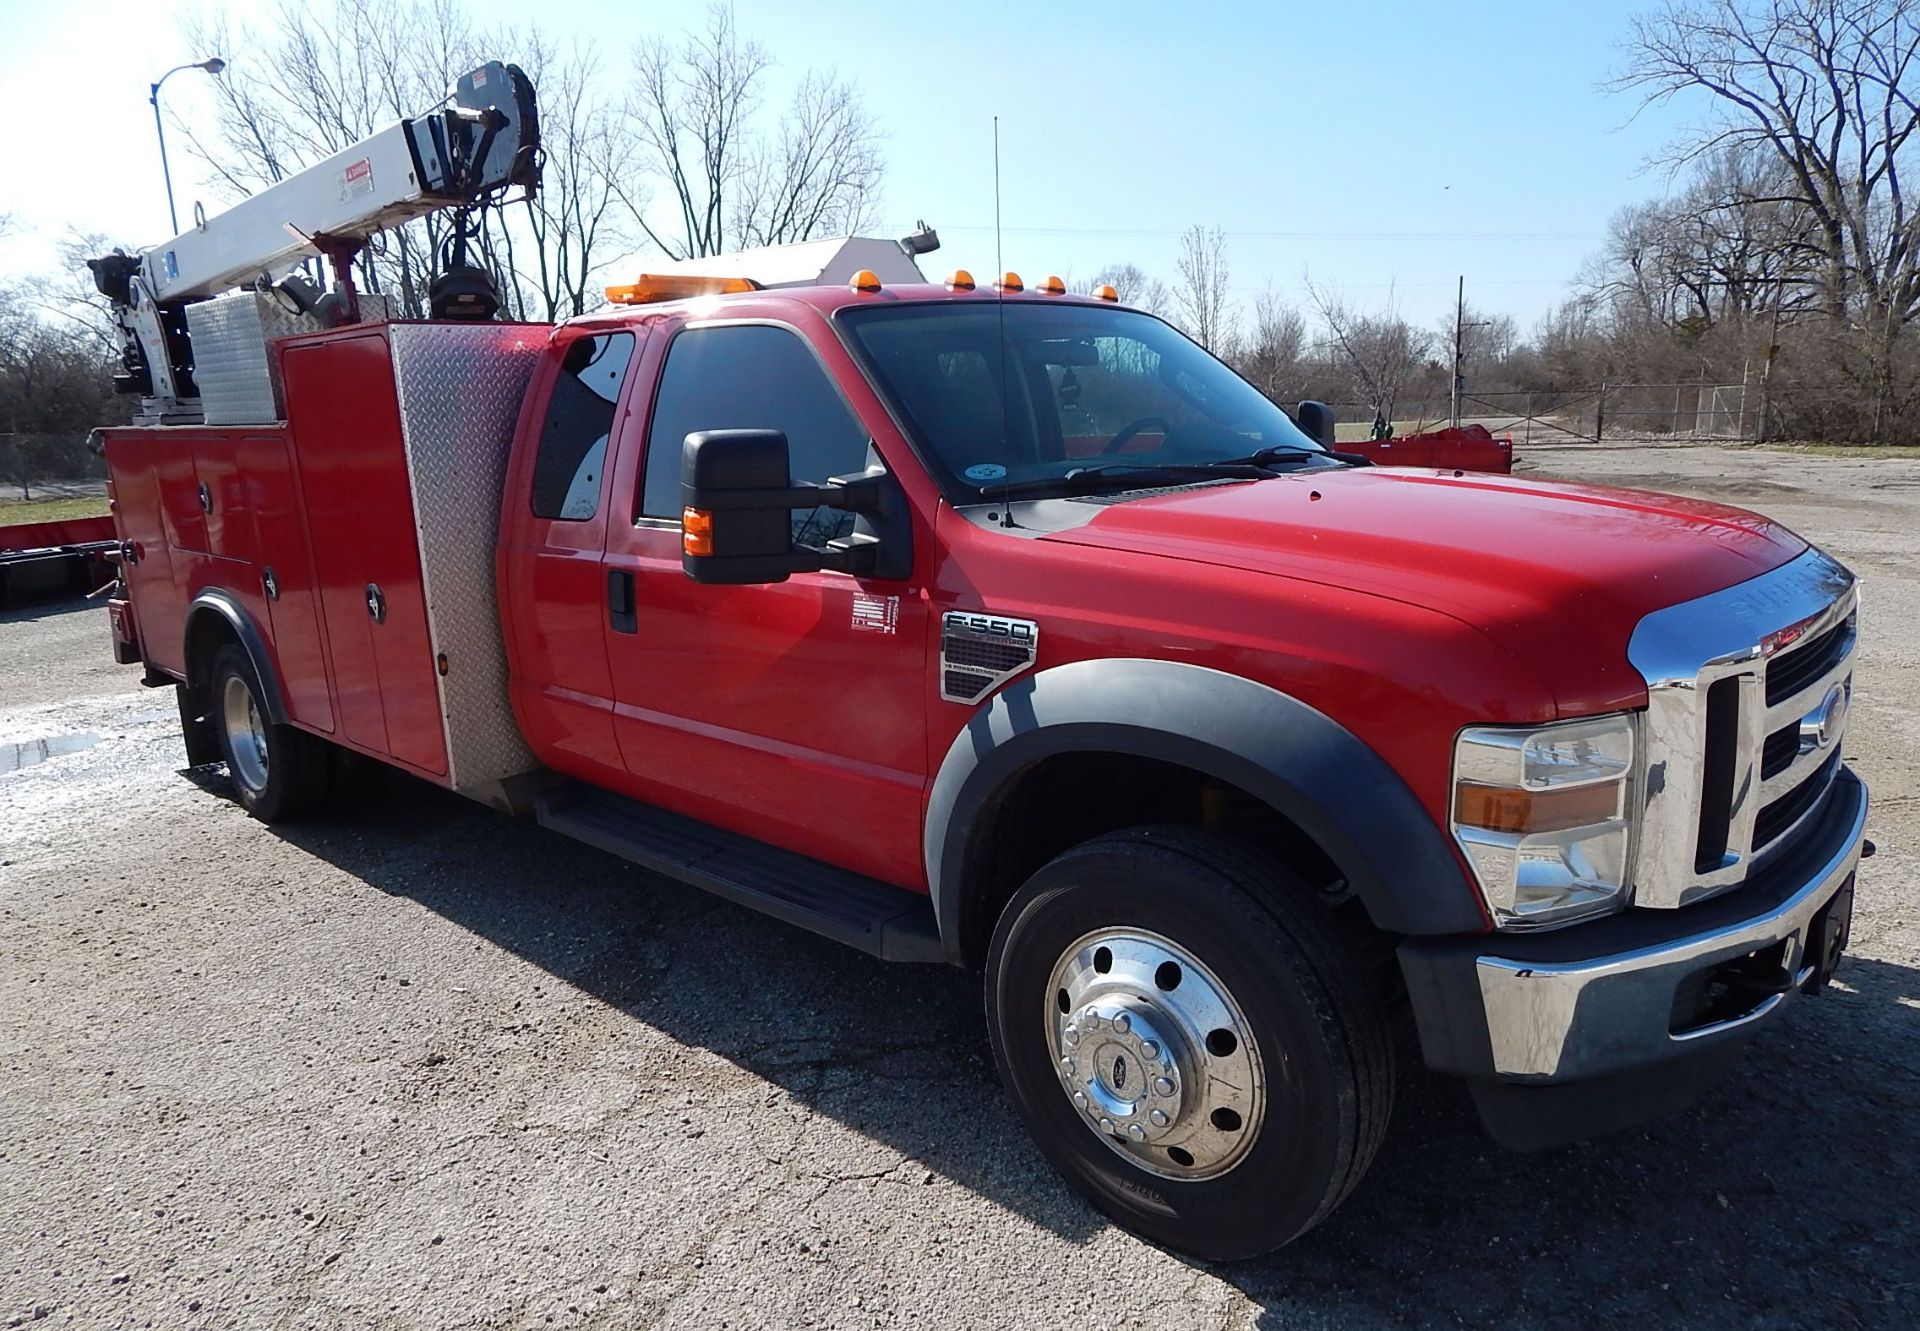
<point>1595,1000</point>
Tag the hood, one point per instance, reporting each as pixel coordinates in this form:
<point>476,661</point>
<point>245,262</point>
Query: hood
<point>1556,574</point>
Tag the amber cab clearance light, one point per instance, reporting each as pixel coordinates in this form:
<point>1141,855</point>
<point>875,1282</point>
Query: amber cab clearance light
<point>1506,809</point>
<point>1051,286</point>
<point>962,280</point>
<point>1105,292</point>
<point>653,287</point>
<point>865,280</point>
<point>1011,282</point>
<point>696,532</point>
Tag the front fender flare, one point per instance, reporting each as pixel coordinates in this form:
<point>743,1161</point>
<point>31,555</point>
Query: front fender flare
<point>1296,759</point>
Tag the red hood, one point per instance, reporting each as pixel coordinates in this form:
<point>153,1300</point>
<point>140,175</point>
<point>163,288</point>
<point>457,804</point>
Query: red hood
<point>1556,574</point>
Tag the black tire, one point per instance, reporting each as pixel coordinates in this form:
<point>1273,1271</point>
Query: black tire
<point>1301,985</point>
<point>291,778</point>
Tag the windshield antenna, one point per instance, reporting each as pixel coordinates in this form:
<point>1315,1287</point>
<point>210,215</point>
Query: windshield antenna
<point>1000,305</point>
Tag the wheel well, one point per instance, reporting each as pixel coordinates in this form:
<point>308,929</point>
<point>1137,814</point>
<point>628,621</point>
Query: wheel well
<point>207,632</point>
<point>1065,799</point>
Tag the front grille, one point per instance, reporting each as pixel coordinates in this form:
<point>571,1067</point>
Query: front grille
<point>1778,753</point>
<point>1741,744</point>
<point>1775,818</point>
<point>1798,666</point>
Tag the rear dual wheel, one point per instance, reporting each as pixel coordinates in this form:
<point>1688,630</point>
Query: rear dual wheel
<point>278,771</point>
<point>1192,1042</point>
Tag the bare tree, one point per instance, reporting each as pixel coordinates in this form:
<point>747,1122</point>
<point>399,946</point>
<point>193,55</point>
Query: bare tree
<point>1828,89</point>
<point>1135,288</point>
<point>1382,351</point>
<point>694,109</point>
<point>1273,359</point>
<point>1200,301</point>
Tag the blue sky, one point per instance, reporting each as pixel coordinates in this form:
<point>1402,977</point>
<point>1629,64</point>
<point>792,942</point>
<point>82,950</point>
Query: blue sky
<point>1374,145</point>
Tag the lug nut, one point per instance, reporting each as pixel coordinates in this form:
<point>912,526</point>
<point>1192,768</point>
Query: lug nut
<point>1073,1035</point>
<point>1149,1051</point>
<point>1135,1131</point>
<point>1066,1066</point>
<point>1123,1023</point>
<point>1158,1117</point>
<point>1080,1099</point>
<point>1163,1086</point>
<point>1106,1126</point>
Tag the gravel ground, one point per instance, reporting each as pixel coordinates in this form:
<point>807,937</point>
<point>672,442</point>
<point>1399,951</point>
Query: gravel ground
<point>416,1066</point>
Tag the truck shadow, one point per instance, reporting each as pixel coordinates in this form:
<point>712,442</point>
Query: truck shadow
<point>1787,1197</point>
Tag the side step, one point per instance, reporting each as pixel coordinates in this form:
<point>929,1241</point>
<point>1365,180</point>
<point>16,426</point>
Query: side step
<point>890,923</point>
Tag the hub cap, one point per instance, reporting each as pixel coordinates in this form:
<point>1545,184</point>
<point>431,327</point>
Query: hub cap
<point>1155,1054</point>
<point>246,736</point>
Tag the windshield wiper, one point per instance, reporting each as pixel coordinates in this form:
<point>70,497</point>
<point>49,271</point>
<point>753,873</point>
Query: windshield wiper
<point>1262,457</point>
<point>1141,474</point>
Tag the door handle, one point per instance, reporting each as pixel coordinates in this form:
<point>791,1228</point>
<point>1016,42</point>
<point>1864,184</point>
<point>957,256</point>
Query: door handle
<point>620,612</point>
<point>376,603</point>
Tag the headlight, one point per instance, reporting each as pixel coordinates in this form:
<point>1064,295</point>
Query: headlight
<point>1544,816</point>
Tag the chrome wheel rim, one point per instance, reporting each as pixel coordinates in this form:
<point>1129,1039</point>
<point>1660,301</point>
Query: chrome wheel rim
<point>246,734</point>
<point>1155,1054</point>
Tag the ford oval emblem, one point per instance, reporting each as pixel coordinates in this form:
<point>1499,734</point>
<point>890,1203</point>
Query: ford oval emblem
<point>1825,723</point>
<point>1120,1073</point>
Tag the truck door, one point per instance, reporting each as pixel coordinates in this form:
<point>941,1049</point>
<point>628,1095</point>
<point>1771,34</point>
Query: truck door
<point>793,712</point>
<point>553,537</point>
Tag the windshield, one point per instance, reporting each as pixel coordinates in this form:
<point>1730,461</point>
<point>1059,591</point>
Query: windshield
<point>1075,390</point>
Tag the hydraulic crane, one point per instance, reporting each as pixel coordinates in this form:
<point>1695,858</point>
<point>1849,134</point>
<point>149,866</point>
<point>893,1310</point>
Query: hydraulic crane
<point>482,142</point>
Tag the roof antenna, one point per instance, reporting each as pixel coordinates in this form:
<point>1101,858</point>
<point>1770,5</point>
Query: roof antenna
<point>1000,306</point>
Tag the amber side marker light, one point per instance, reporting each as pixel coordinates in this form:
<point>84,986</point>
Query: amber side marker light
<point>1504,809</point>
<point>865,280</point>
<point>696,532</point>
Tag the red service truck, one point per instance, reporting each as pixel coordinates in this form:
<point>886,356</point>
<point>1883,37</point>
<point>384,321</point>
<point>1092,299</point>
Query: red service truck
<point>1006,628</point>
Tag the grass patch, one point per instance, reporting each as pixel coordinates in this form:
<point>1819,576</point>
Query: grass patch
<point>1848,450</point>
<point>15,509</point>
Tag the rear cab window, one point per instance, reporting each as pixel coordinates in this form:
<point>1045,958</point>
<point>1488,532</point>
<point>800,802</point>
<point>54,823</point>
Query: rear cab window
<point>570,462</point>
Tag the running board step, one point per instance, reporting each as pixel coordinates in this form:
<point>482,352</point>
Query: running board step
<point>849,908</point>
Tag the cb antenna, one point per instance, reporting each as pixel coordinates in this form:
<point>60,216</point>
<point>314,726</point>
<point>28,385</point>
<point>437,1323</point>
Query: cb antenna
<point>1000,306</point>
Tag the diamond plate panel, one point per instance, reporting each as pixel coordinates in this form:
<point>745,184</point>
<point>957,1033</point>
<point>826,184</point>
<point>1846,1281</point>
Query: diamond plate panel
<point>460,387</point>
<point>238,377</point>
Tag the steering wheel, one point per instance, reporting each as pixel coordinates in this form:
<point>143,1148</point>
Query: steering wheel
<point>1119,441</point>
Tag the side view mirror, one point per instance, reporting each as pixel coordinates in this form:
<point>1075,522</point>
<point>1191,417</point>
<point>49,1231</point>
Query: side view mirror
<point>737,492</point>
<point>1316,420</point>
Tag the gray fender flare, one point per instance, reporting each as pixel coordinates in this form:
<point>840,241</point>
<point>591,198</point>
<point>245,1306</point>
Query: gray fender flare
<point>227,608</point>
<point>1296,759</point>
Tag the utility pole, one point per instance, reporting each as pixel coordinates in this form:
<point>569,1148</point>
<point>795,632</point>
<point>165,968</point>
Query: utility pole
<point>1460,327</point>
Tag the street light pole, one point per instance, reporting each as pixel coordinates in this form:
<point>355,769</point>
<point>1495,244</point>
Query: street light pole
<point>213,66</point>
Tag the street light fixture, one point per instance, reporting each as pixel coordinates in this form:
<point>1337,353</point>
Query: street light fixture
<point>213,65</point>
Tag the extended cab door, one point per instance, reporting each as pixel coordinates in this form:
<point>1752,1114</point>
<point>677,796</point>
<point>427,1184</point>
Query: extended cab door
<point>793,712</point>
<point>553,536</point>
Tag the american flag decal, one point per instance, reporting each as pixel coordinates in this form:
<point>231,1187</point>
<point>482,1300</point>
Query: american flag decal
<point>875,614</point>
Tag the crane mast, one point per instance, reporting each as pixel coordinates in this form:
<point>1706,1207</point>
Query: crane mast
<point>482,142</point>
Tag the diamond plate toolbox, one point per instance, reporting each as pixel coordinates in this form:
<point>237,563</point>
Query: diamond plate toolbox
<point>460,388</point>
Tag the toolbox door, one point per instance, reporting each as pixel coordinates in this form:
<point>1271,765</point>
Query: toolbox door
<point>345,421</point>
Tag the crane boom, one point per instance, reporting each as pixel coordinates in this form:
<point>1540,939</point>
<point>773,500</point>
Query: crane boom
<point>481,143</point>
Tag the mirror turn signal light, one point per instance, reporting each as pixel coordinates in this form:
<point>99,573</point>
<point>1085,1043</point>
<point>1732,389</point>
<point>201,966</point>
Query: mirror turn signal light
<point>696,532</point>
<point>1105,292</point>
<point>962,280</point>
<point>865,280</point>
<point>1010,282</point>
<point>1505,809</point>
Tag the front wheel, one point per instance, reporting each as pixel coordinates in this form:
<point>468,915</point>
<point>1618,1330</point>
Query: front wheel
<point>1191,1041</point>
<point>278,771</point>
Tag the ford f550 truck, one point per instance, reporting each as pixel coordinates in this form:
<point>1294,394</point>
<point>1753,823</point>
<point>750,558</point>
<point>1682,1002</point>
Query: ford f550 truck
<point>1005,628</point>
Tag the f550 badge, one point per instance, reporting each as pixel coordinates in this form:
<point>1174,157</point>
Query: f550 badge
<point>979,653</point>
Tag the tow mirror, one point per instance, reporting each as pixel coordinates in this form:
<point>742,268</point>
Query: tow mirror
<point>1315,419</point>
<point>737,492</point>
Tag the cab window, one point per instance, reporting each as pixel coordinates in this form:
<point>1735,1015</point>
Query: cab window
<point>753,377</point>
<point>573,437</point>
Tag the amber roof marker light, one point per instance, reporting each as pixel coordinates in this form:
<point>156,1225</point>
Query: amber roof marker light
<point>866,281</point>
<point>1105,292</point>
<point>1051,286</point>
<point>962,280</point>
<point>1010,282</point>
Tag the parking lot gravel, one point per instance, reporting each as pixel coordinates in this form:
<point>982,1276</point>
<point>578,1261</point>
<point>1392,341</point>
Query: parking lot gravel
<point>412,1065</point>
